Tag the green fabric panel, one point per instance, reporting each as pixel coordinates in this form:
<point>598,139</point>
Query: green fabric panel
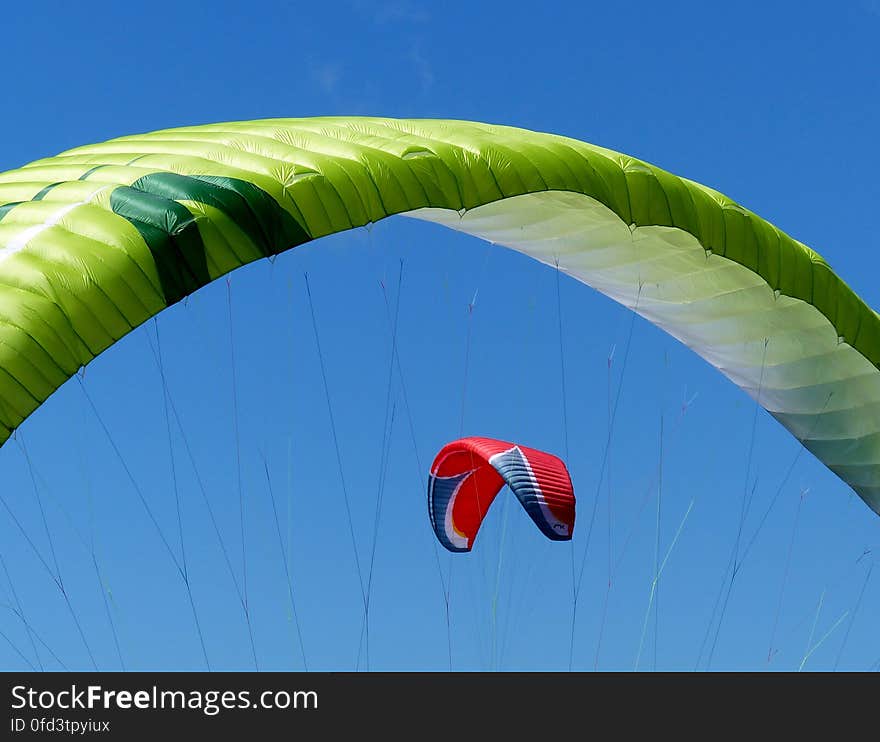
<point>87,173</point>
<point>6,208</point>
<point>44,191</point>
<point>152,205</point>
<point>171,233</point>
<point>267,225</point>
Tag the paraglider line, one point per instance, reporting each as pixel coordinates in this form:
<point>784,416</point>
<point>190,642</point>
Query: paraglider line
<point>19,439</point>
<point>784,481</point>
<point>54,578</point>
<point>18,652</point>
<point>201,484</point>
<point>131,478</point>
<point>244,581</point>
<point>744,509</point>
<point>302,647</point>
<point>797,516</point>
<point>656,580</point>
<point>31,630</point>
<point>336,443</point>
<point>107,611</point>
<point>853,616</point>
<point>20,612</point>
<point>419,474</point>
<point>185,571</point>
<point>602,469</point>
<point>657,551</point>
<point>385,454</point>
<point>822,640</point>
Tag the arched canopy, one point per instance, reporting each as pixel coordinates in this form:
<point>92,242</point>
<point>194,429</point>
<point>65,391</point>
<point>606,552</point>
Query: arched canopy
<point>97,240</point>
<point>467,475</point>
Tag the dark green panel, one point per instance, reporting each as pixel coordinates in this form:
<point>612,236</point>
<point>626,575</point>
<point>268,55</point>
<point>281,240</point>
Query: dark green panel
<point>152,205</point>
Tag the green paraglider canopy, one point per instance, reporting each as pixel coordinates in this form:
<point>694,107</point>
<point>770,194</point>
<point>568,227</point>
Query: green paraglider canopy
<point>95,241</point>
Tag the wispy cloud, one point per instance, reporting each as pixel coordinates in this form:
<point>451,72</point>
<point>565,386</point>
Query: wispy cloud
<point>393,11</point>
<point>872,7</point>
<point>326,76</point>
<point>422,67</point>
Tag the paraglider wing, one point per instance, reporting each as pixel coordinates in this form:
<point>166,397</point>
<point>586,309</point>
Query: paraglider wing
<point>95,241</point>
<point>468,473</point>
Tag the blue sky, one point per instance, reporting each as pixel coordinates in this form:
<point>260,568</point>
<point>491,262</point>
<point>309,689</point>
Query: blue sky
<point>777,109</point>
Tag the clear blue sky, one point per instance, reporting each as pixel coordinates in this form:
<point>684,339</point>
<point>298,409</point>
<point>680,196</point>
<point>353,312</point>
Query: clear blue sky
<point>777,107</point>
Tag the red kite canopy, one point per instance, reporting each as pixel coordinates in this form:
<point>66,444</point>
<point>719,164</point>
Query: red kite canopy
<point>467,475</point>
